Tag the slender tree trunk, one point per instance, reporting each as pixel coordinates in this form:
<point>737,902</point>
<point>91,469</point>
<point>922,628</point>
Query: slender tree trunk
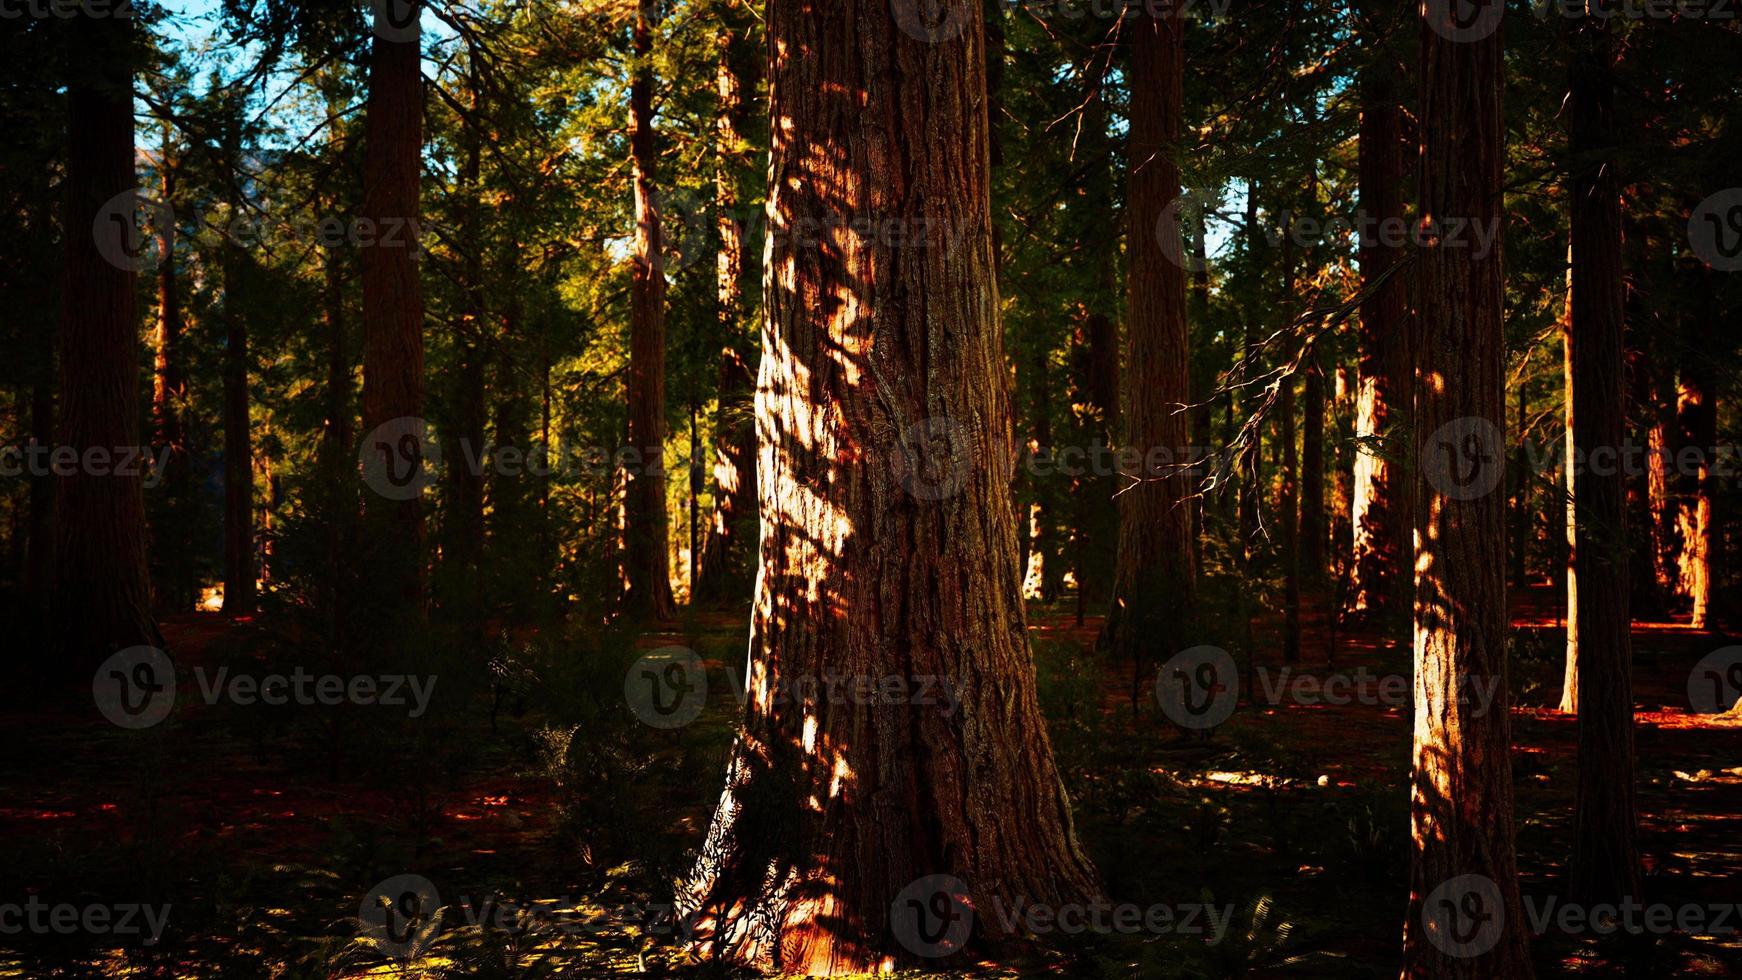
<point>1698,415</point>
<point>645,552</point>
<point>1288,492</point>
<point>735,425</point>
<point>175,583</point>
<point>40,565</point>
<point>1380,511</point>
<point>1312,487</point>
<point>888,544</point>
<point>1098,525</point>
<point>1154,596</point>
<point>393,355</point>
<point>1568,512</point>
<point>102,597</point>
<point>1647,480</point>
<point>1463,873</point>
<point>1605,858</point>
<point>1252,466</point>
<point>1288,502</point>
<point>240,569</point>
<point>338,458</point>
<point>1520,478</point>
<point>466,506</point>
<point>1045,574</point>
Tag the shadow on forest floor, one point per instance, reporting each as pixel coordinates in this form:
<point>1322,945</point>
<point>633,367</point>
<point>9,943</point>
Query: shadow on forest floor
<point>552,831</point>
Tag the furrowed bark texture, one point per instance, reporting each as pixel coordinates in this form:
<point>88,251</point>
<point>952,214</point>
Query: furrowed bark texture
<point>1380,510</point>
<point>1605,860</point>
<point>393,358</point>
<point>101,599</point>
<point>1153,597</point>
<point>1461,805</point>
<point>888,542</point>
<point>648,526</point>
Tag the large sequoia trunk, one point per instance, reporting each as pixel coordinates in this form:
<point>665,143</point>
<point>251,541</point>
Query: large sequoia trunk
<point>392,296</point>
<point>1380,510</point>
<point>647,526</point>
<point>1605,862</point>
<point>101,598</point>
<point>1153,590</point>
<point>1461,803</point>
<point>888,543</point>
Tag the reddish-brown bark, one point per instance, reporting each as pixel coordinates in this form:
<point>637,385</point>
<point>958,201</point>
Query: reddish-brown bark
<point>1154,587</point>
<point>101,598</point>
<point>393,348</point>
<point>1605,854</point>
<point>888,543</point>
<point>646,572</point>
<point>1461,804</point>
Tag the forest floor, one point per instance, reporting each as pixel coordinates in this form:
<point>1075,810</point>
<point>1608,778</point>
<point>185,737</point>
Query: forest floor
<point>547,827</point>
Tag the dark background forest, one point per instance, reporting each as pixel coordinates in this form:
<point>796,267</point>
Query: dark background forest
<point>1200,488</point>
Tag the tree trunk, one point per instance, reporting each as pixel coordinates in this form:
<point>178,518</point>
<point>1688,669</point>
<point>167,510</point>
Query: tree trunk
<point>1568,513</point>
<point>735,424</point>
<point>1605,858</point>
<point>175,579</point>
<point>1520,478</point>
<point>1044,574</point>
<point>239,558</point>
<point>101,598</point>
<point>393,357</point>
<point>1153,598</point>
<point>40,565</point>
<point>1698,415</point>
<point>1461,804</point>
<point>466,505</point>
<point>1252,465</point>
<point>1097,530</point>
<point>1312,486</point>
<point>888,543</point>
<point>1380,511</point>
<point>1288,502</point>
<point>647,576</point>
